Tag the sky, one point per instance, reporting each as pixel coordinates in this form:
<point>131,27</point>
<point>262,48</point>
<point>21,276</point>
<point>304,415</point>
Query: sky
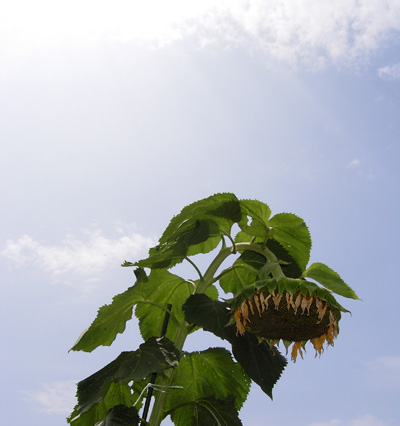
<point>115,115</point>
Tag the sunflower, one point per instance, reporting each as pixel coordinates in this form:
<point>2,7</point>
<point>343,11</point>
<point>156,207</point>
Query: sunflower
<point>293,311</point>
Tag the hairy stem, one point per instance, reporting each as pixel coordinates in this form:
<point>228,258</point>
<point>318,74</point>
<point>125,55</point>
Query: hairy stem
<point>158,414</point>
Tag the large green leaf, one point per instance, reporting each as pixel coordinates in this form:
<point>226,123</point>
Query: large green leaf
<point>152,356</point>
<point>111,319</point>
<point>329,279</point>
<point>121,415</point>
<point>212,412</point>
<point>194,236</point>
<point>211,315</point>
<point>161,289</point>
<point>261,364</point>
<point>152,295</point>
<point>292,233</point>
<point>224,209</point>
<point>197,229</point>
<point>259,213</point>
<point>204,374</point>
<point>118,393</point>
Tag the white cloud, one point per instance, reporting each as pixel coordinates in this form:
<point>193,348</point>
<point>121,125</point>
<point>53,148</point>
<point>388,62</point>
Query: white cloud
<point>390,72</point>
<point>384,372</point>
<point>87,257</point>
<point>54,398</point>
<point>365,420</point>
<point>308,31</point>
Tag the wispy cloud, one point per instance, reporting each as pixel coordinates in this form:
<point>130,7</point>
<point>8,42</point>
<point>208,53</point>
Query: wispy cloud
<point>340,32</point>
<point>358,167</point>
<point>88,256</point>
<point>365,420</point>
<point>390,72</point>
<point>353,164</point>
<point>383,372</point>
<point>53,398</point>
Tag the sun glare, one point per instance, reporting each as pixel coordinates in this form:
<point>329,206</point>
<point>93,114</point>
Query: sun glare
<point>48,23</point>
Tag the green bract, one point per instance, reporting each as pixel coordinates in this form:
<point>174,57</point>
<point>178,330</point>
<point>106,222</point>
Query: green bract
<point>273,297</point>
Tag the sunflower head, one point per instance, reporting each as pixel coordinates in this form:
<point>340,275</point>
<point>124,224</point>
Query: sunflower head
<point>280,310</point>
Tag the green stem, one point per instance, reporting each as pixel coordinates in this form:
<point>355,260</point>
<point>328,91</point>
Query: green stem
<point>158,413</point>
<point>194,266</point>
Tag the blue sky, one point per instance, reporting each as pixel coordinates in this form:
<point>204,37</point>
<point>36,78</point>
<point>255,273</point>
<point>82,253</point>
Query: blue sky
<point>114,115</point>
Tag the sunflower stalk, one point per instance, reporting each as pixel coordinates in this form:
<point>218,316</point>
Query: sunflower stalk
<point>158,412</point>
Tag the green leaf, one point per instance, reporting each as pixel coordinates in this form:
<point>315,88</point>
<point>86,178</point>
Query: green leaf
<point>237,278</point>
<point>111,319</point>
<point>161,289</point>
<point>260,363</point>
<point>259,213</point>
<point>197,229</point>
<point>152,295</point>
<point>118,393</point>
<point>243,272</point>
<point>329,279</point>
<point>213,412</point>
<point>121,415</point>
<point>288,265</point>
<point>200,236</point>
<point>267,269</point>
<point>224,209</point>
<point>152,356</point>
<point>211,315</point>
<point>210,373</point>
<point>292,233</point>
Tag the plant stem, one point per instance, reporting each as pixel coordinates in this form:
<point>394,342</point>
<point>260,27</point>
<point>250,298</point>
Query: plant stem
<point>157,414</point>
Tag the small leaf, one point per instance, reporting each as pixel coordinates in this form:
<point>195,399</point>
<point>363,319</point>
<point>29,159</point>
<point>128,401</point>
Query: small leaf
<point>288,265</point>
<point>243,272</point>
<point>292,233</point>
<point>236,279</point>
<point>121,415</point>
<point>118,393</point>
<point>329,279</point>
<point>204,374</point>
<point>152,356</point>
<point>259,213</point>
<point>267,269</point>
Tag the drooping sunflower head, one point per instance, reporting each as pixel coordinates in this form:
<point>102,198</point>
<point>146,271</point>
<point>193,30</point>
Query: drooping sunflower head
<point>288,310</point>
